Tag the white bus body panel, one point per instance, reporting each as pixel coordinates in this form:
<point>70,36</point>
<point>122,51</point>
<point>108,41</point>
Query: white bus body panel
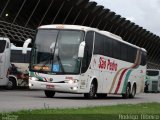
<point>4,63</point>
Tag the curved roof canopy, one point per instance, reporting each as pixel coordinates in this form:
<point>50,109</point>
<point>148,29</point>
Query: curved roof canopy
<point>20,18</point>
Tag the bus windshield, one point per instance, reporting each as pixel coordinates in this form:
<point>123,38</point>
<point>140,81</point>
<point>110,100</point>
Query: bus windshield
<point>3,45</point>
<point>152,73</point>
<point>56,51</point>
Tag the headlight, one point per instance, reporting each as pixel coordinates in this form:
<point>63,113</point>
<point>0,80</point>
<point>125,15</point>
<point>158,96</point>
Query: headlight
<point>71,81</point>
<point>33,78</point>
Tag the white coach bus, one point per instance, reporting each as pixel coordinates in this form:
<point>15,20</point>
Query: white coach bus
<point>78,59</point>
<point>4,60</point>
<point>9,54</point>
<point>18,72</point>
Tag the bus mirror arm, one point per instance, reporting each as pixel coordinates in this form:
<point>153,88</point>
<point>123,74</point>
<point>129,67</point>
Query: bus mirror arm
<point>81,49</point>
<point>25,45</point>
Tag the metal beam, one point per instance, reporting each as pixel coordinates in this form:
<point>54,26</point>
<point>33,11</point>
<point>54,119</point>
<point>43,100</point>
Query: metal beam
<point>32,13</point>
<point>58,12</point>
<point>46,12</point>
<point>4,8</point>
<point>19,11</point>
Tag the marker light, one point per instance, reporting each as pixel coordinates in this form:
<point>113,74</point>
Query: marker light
<point>71,81</point>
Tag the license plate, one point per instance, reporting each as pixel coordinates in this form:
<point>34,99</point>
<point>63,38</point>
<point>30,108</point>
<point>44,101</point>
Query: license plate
<point>49,86</point>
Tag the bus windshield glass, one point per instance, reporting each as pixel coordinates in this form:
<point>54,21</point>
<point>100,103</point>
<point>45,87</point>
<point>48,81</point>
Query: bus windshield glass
<point>56,51</point>
<point>152,73</point>
<point>3,45</point>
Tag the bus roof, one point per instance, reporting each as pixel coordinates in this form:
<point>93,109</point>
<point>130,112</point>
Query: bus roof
<point>72,27</point>
<point>84,28</point>
<point>4,38</point>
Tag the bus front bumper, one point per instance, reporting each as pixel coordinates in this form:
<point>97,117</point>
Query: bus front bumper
<point>58,87</point>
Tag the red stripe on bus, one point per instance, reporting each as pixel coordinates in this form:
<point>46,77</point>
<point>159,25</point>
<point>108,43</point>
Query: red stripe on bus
<point>45,79</point>
<point>120,80</point>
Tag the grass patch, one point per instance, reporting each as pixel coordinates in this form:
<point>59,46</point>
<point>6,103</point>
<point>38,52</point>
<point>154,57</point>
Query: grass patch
<point>90,113</point>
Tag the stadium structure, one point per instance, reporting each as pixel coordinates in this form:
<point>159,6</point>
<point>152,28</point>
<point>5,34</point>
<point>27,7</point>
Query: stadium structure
<point>20,18</point>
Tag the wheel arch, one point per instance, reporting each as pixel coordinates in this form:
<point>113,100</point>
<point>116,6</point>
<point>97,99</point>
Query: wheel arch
<point>93,79</point>
<point>129,83</point>
<point>14,77</point>
<point>134,84</point>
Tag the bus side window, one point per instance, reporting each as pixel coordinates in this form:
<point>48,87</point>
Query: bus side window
<point>143,58</point>
<point>108,47</point>
<point>131,54</point>
<point>116,49</point>
<point>99,44</point>
<point>124,52</point>
<point>88,51</point>
<point>18,57</point>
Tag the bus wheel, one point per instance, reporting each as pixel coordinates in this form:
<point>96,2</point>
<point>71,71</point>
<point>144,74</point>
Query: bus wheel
<point>92,91</point>
<point>133,93</point>
<point>127,93</point>
<point>101,95</point>
<point>49,94</point>
<point>12,84</point>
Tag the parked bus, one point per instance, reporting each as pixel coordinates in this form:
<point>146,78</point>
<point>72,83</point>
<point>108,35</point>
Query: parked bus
<point>11,59</point>
<point>152,81</point>
<point>4,60</point>
<point>78,59</point>
<point>18,72</point>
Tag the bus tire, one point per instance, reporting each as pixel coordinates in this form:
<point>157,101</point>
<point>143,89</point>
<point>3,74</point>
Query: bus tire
<point>12,84</point>
<point>128,91</point>
<point>102,95</point>
<point>133,92</point>
<point>92,91</point>
<point>49,94</point>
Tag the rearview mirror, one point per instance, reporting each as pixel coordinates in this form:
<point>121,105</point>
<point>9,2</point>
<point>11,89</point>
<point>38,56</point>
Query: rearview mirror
<point>25,45</point>
<point>81,49</point>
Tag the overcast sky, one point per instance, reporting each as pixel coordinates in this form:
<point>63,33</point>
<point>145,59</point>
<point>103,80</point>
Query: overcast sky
<point>145,13</point>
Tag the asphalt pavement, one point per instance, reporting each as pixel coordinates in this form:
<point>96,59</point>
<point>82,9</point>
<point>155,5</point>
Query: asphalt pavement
<point>26,99</point>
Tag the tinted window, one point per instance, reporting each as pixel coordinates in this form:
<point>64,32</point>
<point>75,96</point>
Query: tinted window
<point>89,42</point>
<point>131,54</point>
<point>99,44</point>
<point>124,52</point>
<point>152,73</point>
<point>116,49</point>
<point>2,45</point>
<point>108,47</point>
<point>18,57</point>
<point>143,58</point>
<point>88,51</point>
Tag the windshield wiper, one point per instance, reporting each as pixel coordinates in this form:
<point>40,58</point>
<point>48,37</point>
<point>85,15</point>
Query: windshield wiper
<point>34,51</point>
